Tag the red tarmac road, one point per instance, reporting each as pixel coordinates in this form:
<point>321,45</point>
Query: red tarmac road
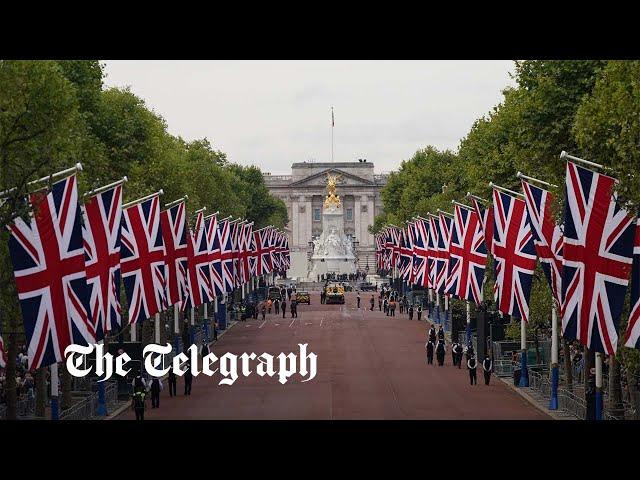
<point>370,366</point>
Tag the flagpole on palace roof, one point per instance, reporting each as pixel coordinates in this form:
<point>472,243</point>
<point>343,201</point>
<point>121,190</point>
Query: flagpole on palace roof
<point>332,125</point>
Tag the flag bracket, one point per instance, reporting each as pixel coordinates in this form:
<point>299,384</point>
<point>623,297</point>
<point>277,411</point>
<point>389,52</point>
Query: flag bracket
<point>505,190</point>
<point>98,190</point>
<point>522,176</point>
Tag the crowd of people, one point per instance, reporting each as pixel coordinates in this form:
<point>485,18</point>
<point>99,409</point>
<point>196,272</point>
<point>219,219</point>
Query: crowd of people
<point>343,277</point>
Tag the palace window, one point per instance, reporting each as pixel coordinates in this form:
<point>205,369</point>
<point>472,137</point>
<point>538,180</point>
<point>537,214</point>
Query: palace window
<point>316,214</point>
<point>349,213</point>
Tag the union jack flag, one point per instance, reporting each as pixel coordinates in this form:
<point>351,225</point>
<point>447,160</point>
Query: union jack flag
<point>245,268</point>
<point>102,216</point>
<point>49,268</point>
<point>514,254</point>
<point>411,235</point>
<point>486,218</point>
<point>421,255</point>
<point>212,240</point>
<point>406,255</point>
<point>432,250</point>
<point>547,236</point>
<point>467,256</point>
<point>198,261</point>
<point>286,252</point>
<point>236,229</point>
<point>3,354</point>
<point>597,250</point>
<point>275,257</point>
<point>272,246</point>
<point>253,255</point>
<point>174,233</point>
<point>226,254</point>
<point>444,239</point>
<point>263,264</point>
<point>632,336</point>
<point>142,259</point>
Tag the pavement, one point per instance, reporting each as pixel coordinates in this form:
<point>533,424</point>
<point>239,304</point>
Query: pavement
<point>370,366</point>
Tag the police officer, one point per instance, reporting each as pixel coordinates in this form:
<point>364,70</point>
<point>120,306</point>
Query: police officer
<point>429,346</point>
<point>156,388</point>
<point>139,385</point>
<point>440,352</point>
<point>358,299</point>
<point>204,351</point>
<point>470,351</point>
<point>432,334</point>
<point>487,367</point>
<point>284,307</point>
<point>459,350</point>
<point>138,404</point>
<point>472,364</point>
<point>454,353</point>
<point>410,312</point>
<point>419,312</point>
<point>188,378</point>
<point>173,383</point>
<point>440,333</point>
<point>373,302</point>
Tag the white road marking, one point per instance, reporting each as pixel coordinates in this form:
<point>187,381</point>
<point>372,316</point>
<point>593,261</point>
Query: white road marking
<point>322,320</point>
<point>292,322</point>
<point>262,324</point>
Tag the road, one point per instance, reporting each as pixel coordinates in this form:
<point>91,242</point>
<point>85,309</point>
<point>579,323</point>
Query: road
<point>370,366</point>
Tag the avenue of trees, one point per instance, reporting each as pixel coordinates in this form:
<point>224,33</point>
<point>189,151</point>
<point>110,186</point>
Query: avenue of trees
<point>54,114</point>
<point>591,109</point>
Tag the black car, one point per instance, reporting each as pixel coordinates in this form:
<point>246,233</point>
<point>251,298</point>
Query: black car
<point>367,287</point>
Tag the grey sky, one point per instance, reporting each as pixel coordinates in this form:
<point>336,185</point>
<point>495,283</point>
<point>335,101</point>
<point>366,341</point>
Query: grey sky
<point>274,113</point>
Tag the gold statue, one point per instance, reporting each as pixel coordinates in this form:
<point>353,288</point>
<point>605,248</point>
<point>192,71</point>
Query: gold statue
<point>332,198</point>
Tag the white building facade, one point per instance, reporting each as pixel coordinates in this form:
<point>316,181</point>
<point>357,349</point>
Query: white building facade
<point>304,191</point>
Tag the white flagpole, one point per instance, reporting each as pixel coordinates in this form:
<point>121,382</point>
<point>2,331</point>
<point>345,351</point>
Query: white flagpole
<point>133,332</point>
<point>553,401</point>
<point>157,328</point>
<point>599,385</point>
<point>332,125</point>
<point>524,374</point>
<point>55,411</point>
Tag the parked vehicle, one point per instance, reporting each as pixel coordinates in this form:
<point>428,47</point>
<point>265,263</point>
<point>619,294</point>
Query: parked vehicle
<point>367,287</point>
<point>334,293</point>
<point>347,287</point>
<point>303,297</point>
<point>274,293</point>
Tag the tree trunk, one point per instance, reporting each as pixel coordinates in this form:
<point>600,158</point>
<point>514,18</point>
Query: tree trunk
<point>634,393</point>
<point>40,379</point>
<point>616,408</point>
<point>66,399</point>
<point>567,365</point>
<point>10,382</point>
<point>537,344</point>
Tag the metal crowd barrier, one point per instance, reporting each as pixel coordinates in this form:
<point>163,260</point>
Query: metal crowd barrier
<point>572,404</point>
<point>3,412</point>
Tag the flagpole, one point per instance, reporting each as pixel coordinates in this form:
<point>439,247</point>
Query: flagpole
<point>598,386</point>
<point>553,401</point>
<point>524,374</point>
<point>332,125</point>
<point>55,411</point>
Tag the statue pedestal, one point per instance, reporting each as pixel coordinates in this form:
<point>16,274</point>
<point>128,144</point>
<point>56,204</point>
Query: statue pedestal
<point>332,251</point>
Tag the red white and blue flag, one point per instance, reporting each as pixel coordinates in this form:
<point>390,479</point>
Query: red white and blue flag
<point>406,255</point>
<point>421,256</point>
<point>225,228</point>
<point>142,260</point>
<point>198,260</point>
<point>101,233</point>
<point>263,263</point>
<point>547,236</point>
<point>173,223</point>
<point>632,336</point>
<point>212,239</point>
<point>49,268</point>
<point>3,354</point>
<point>444,239</point>
<point>486,217</point>
<point>514,253</point>
<point>597,257</point>
<point>432,250</point>
<point>245,251</point>
<point>467,256</point>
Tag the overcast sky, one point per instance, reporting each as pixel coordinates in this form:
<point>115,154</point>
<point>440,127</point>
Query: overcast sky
<point>274,113</point>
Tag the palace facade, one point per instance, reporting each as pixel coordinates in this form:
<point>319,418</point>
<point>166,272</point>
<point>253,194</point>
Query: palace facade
<point>303,193</point>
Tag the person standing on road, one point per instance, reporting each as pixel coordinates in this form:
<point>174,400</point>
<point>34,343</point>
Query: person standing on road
<point>432,334</point>
<point>392,307</point>
<point>138,403</point>
<point>269,303</point>
<point>472,364</point>
<point>204,350</point>
<point>188,378</point>
<point>156,388</point>
<point>284,307</point>
<point>372,301</point>
<point>215,331</point>
<point>419,312</point>
<point>380,302</point>
<point>487,367</point>
<point>358,299</point>
<point>289,290</point>
<point>263,310</point>
<point>410,311</point>
<point>458,351</point>
<point>276,306</point>
<point>440,352</point>
<point>173,383</point>
<point>441,333</point>
<point>429,346</point>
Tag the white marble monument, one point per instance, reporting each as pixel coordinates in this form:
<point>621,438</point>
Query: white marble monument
<point>332,251</point>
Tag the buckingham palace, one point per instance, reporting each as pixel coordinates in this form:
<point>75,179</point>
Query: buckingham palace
<point>303,192</point>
